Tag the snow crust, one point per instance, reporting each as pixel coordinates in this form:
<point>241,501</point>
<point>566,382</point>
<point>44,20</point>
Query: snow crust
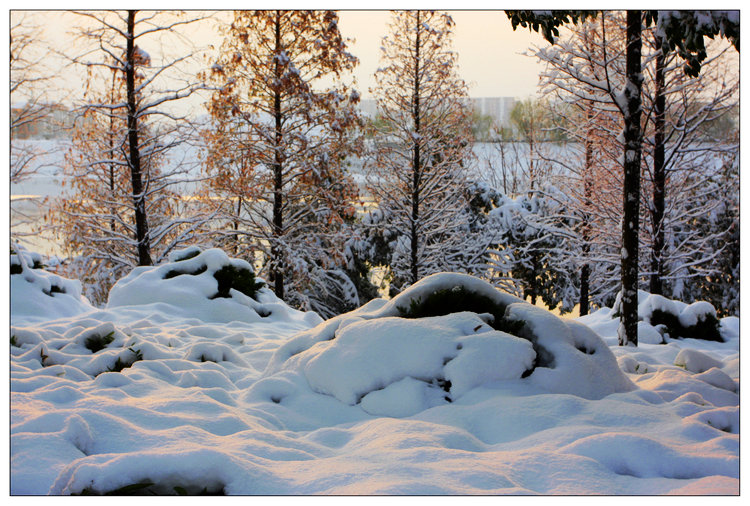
<point>217,398</point>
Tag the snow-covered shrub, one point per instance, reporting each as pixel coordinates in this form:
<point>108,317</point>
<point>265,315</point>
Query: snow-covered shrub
<point>21,258</point>
<point>673,319</point>
<point>97,342</point>
<point>442,337</point>
<point>36,294</point>
<point>679,320</point>
<point>229,276</point>
<point>208,285</point>
<point>243,280</point>
<point>457,299</point>
<point>184,254</point>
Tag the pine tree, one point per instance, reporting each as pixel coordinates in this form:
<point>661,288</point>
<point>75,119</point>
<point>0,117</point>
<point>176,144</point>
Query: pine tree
<point>278,153</point>
<point>420,145</point>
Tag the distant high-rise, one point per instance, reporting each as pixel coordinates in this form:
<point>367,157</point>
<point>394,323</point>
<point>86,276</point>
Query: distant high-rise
<point>498,108</point>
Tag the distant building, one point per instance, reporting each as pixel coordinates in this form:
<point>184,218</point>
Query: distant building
<point>54,121</point>
<point>498,108</point>
<point>368,107</point>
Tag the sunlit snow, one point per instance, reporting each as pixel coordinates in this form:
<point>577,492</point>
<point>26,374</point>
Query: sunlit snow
<point>186,393</point>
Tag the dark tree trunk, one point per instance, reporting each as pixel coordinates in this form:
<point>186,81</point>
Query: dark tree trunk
<point>278,219</point>
<point>584,296</point>
<point>416,169</point>
<point>628,330</point>
<point>112,170</point>
<point>583,300</point>
<point>659,183</point>
<point>237,227</point>
<point>139,198</point>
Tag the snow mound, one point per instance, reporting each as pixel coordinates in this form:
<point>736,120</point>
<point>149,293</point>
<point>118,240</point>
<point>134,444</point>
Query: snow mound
<point>38,295</point>
<point>673,319</point>
<point>695,361</point>
<point>207,285</point>
<point>399,357</point>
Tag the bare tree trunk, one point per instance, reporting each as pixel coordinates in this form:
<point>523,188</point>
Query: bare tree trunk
<point>416,168</point>
<point>111,133</point>
<point>139,198</point>
<point>659,189</point>
<point>628,329</point>
<point>237,226</point>
<point>278,219</point>
<point>583,300</point>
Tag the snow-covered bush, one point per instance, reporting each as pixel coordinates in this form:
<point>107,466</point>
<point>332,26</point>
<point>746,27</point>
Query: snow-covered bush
<point>36,294</point>
<point>442,337</point>
<point>207,285</point>
<point>675,319</point>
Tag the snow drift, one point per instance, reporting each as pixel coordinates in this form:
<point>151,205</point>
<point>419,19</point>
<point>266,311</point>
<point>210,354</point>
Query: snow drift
<point>183,386</point>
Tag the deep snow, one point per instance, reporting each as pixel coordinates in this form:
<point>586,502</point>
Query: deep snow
<point>248,396</point>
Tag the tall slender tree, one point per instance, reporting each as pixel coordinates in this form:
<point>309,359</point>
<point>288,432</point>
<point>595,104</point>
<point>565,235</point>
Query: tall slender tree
<point>286,134</point>
<point>627,333</point>
<point>421,143</point>
<point>123,210</point>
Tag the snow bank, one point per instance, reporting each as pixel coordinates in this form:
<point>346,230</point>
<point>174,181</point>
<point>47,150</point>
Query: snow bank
<point>188,286</point>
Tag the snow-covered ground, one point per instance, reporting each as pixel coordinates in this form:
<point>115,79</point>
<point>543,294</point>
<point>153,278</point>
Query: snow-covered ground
<point>174,388</point>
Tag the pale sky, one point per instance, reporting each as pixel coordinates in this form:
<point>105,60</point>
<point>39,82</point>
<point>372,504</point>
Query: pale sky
<point>490,59</point>
<point>489,51</point>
